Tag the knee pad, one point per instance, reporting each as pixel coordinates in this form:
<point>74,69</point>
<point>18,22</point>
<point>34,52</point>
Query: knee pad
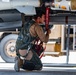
<point>28,65</point>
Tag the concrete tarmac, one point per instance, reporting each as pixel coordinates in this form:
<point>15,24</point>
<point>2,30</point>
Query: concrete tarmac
<point>8,69</point>
<point>12,72</point>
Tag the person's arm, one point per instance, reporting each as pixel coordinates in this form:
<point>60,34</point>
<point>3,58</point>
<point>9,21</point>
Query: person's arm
<point>43,37</point>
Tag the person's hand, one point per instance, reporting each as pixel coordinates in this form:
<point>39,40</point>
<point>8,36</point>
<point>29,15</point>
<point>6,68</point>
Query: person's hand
<point>48,31</point>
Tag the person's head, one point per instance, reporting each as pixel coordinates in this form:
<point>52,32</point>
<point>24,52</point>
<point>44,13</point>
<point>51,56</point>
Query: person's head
<point>40,16</point>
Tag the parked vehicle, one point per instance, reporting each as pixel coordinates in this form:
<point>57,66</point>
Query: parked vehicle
<point>11,22</point>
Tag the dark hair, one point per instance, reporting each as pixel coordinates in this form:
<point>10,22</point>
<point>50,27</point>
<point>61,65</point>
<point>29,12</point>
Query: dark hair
<point>39,13</point>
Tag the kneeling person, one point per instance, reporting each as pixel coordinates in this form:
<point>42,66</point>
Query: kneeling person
<point>26,39</point>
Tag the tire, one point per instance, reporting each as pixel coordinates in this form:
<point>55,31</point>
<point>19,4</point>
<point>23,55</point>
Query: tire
<point>8,51</point>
